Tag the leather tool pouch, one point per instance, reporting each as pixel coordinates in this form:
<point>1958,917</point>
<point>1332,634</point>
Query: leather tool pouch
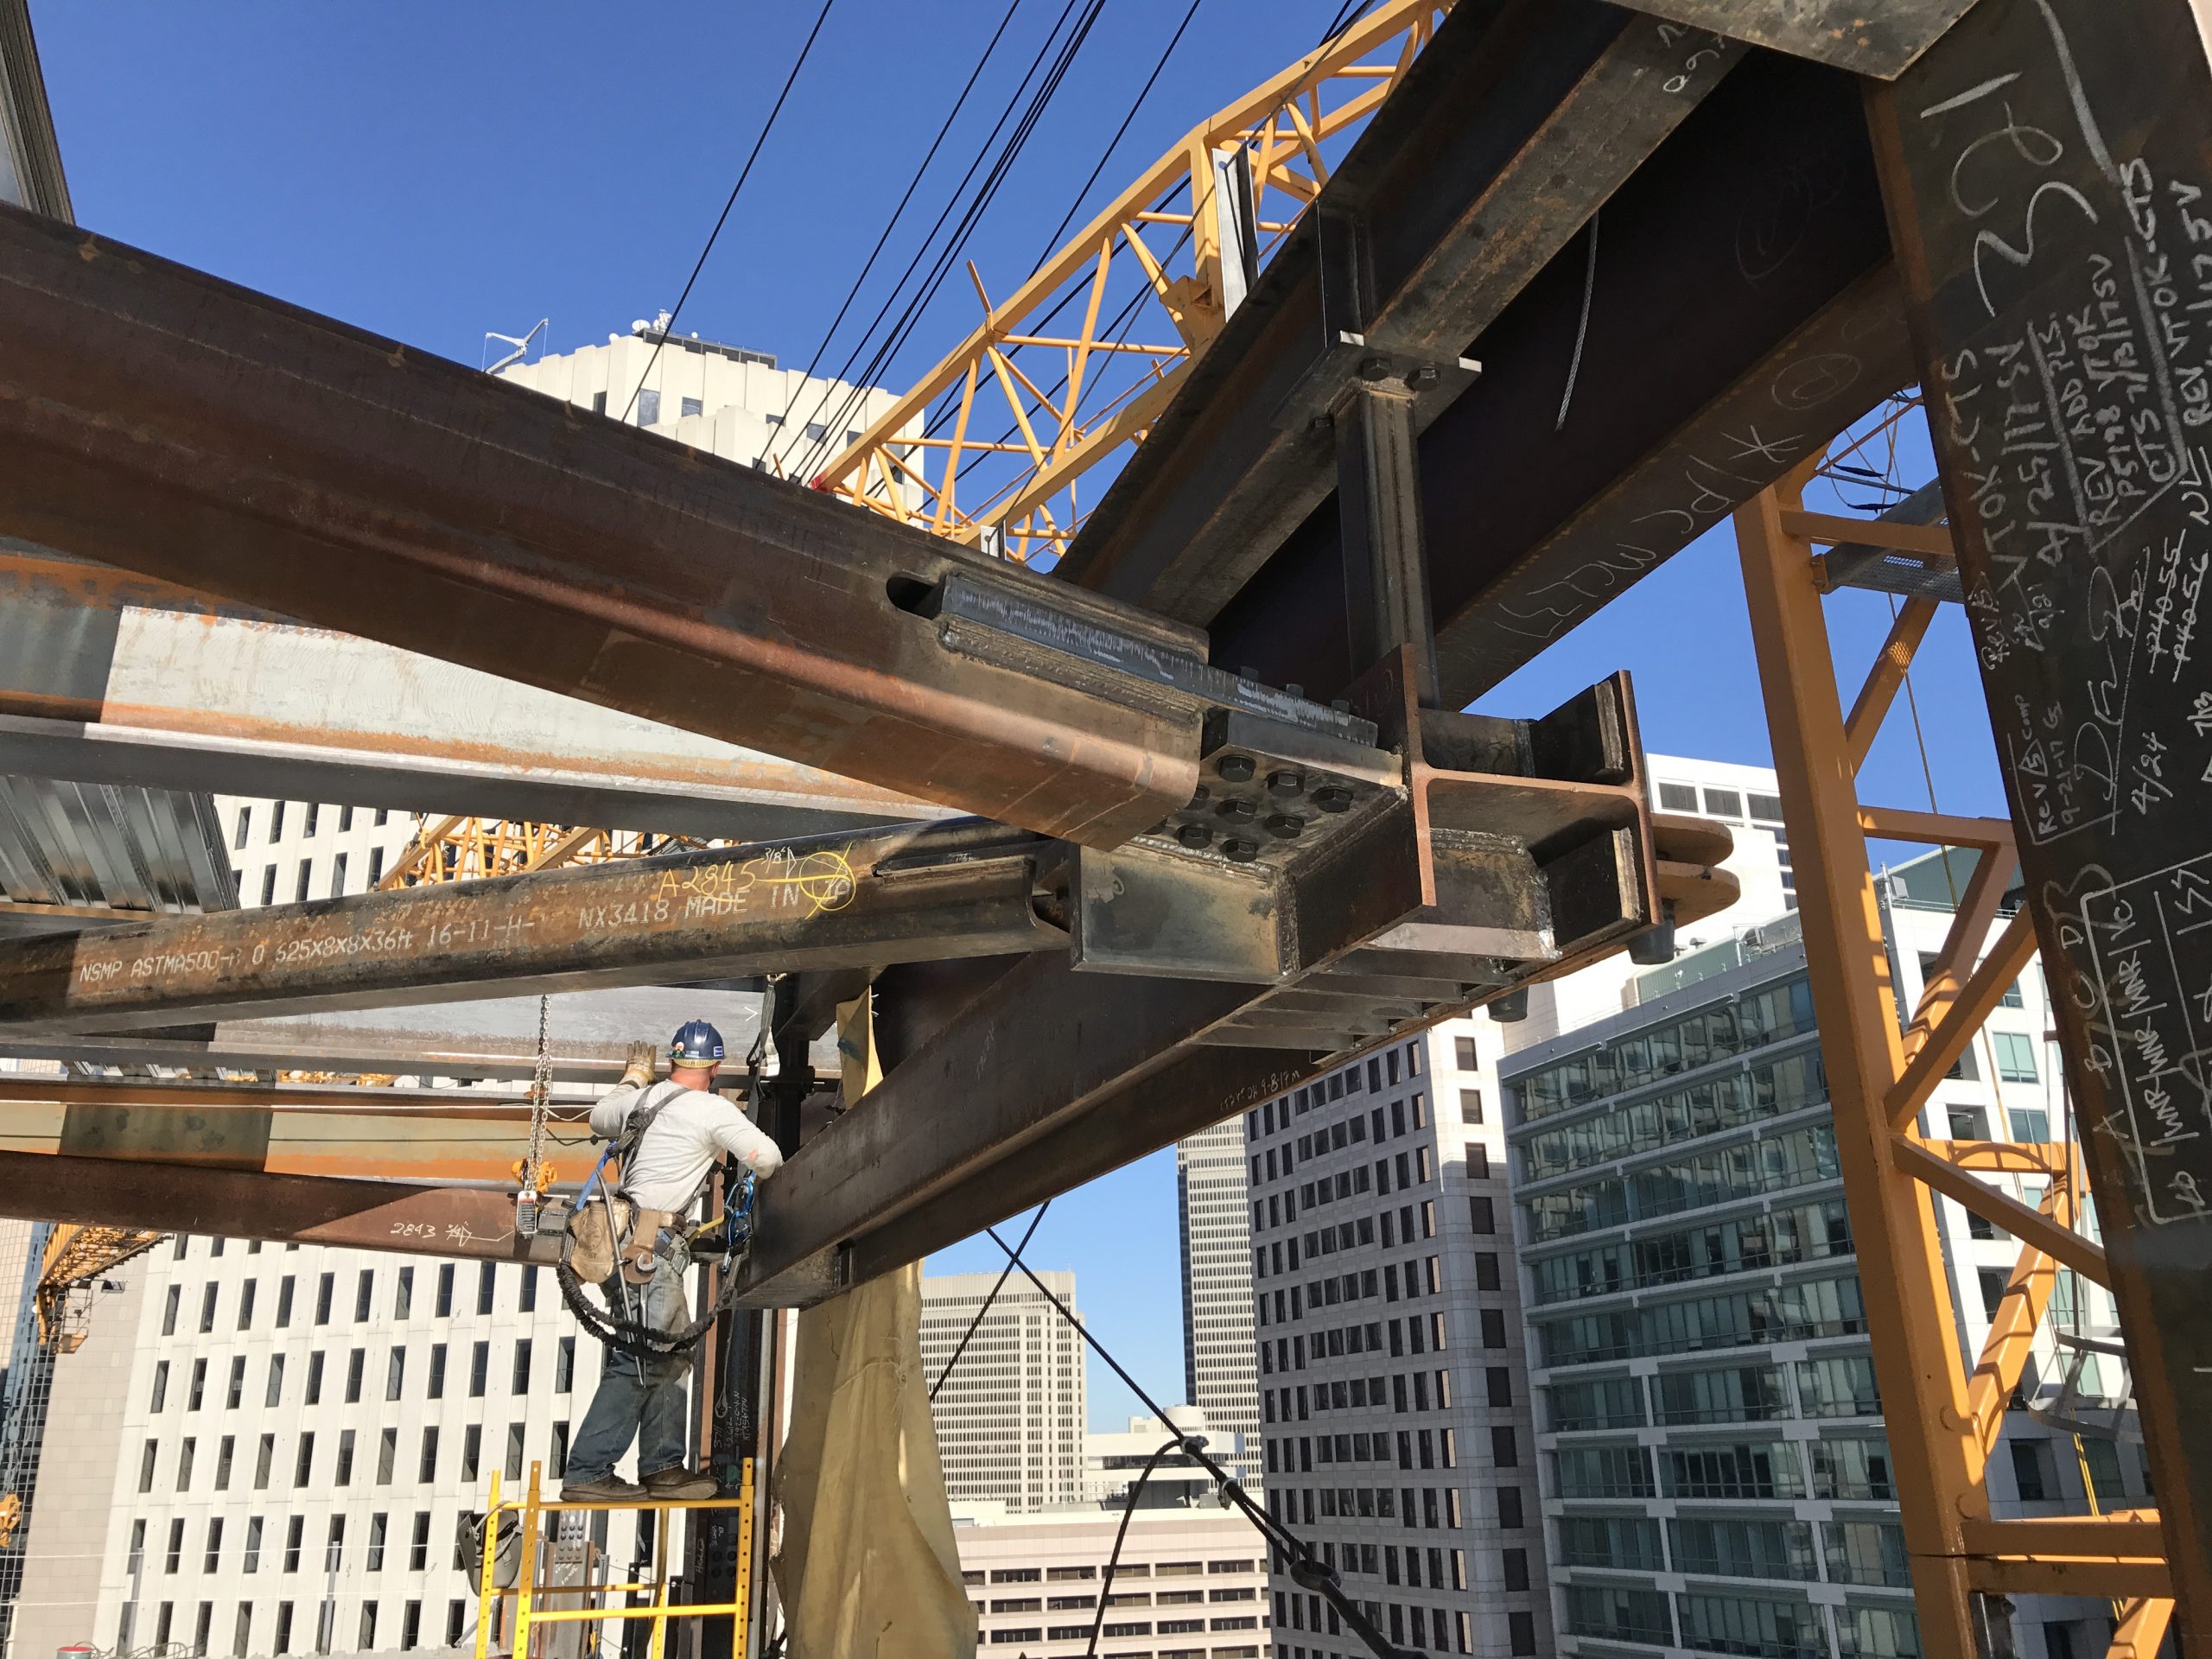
<point>640,1249</point>
<point>592,1244</point>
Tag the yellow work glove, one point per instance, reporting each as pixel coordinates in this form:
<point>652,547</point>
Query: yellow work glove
<point>640,1068</point>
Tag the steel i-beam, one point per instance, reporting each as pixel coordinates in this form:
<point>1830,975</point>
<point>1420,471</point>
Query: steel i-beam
<point>2046,166</point>
<point>157,419</point>
<point>915,893</point>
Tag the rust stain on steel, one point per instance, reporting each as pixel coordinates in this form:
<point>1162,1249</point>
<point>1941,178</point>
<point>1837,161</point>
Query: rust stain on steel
<point>154,417</point>
<point>821,901</point>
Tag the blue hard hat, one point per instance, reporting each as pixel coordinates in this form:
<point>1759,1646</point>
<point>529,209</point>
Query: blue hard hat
<point>696,1044</point>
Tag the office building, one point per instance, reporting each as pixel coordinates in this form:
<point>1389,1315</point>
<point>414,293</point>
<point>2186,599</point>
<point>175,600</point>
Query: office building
<point>1394,1387</point>
<point>1220,1370</point>
<point>1715,1473</point>
<point>1189,1584</point>
<point>265,1449</point>
<point>1010,1417</point>
<point>1397,1432</point>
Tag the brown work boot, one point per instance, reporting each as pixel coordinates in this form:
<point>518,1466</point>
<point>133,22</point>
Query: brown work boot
<point>608,1489</point>
<point>680,1485</point>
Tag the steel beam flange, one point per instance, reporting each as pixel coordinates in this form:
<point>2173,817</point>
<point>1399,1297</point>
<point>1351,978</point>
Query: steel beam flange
<point>1881,38</point>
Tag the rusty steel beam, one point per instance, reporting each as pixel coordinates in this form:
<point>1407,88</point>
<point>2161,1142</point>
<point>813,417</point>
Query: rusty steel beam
<point>397,1145</point>
<point>570,1105</point>
<point>157,419</point>
<point>362,1215</point>
<point>911,893</point>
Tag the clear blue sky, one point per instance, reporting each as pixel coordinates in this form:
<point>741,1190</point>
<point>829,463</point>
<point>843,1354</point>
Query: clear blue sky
<point>434,171</point>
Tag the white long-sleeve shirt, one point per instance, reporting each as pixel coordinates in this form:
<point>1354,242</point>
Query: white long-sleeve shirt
<point>692,1130</point>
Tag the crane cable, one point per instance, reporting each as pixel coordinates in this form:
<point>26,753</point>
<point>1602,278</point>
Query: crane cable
<point>744,173</point>
<point>898,213</point>
<point>908,317</point>
<point>1307,1569</point>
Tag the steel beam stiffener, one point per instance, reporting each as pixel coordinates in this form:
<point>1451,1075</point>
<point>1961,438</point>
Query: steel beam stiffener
<point>2046,167</point>
<point>1494,851</point>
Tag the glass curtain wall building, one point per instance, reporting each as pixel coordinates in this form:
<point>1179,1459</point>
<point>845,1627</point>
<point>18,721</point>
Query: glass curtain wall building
<point>1716,1476</point>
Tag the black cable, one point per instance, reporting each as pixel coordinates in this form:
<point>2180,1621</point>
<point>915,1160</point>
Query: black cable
<point>1307,1569</point>
<point>899,212</point>
<point>952,200</point>
<point>1113,1561</point>
<point>1347,15</point>
<point>744,174</point>
<point>985,194</point>
<point>1052,241</point>
<point>1005,1274</point>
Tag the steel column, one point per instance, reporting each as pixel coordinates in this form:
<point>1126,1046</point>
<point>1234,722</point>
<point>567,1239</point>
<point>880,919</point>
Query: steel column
<point>2045,165</point>
<point>1938,1457</point>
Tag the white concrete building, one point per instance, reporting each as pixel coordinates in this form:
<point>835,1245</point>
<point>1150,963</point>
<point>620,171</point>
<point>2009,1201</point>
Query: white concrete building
<point>733,402</point>
<point>1010,1418</point>
<point>1114,1459</point>
<point>289,852</point>
<point>1744,798</point>
<point>264,1449</point>
<point>1190,1583</point>
<point>1220,1374</point>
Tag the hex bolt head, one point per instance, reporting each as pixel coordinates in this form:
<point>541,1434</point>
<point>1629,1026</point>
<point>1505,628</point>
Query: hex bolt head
<point>1332,797</point>
<point>1202,793</point>
<point>1286,783</point>
<point>1238,811</point>
<point>1285,826</point>
<point>1321,423</point>
<point>1236,768</point>
<point>1237,850</point>
<point>1425,375</point>
<point>1374,368</point>
<point>1194,835</point>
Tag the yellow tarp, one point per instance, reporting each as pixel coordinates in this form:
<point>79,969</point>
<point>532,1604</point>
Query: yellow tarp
<point>868,1567</point>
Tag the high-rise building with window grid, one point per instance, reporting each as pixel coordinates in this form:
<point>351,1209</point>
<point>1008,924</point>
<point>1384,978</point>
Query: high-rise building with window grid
<point>1220,1372</point>
<point>265,1449</point>
<point>1010,1416</point>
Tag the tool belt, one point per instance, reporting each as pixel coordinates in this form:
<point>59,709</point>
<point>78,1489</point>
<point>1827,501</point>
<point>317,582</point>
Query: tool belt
<point>637,1240</point>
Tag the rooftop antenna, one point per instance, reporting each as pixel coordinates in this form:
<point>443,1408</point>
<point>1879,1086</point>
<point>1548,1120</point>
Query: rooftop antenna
<point>521,345</point>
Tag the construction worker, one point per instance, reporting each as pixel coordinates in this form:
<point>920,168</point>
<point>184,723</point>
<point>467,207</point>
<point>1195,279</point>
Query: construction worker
<point>668,1135</point>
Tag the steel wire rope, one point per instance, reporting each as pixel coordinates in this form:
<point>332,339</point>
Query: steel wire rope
<point>898,213</point>
<point>1121,1533</point>
<point>1307,1569</point>
<point>902,327</point>
<point>744,173</point>
<point>1006,1273</point>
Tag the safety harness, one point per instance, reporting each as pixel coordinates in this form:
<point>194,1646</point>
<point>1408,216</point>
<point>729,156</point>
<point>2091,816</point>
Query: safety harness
<point>640,1241</point>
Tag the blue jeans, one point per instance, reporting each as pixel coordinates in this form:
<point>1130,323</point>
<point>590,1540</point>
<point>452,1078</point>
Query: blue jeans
<point>651,1410</point>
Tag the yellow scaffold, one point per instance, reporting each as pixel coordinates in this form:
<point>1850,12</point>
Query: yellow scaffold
<point>528,1595</point>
